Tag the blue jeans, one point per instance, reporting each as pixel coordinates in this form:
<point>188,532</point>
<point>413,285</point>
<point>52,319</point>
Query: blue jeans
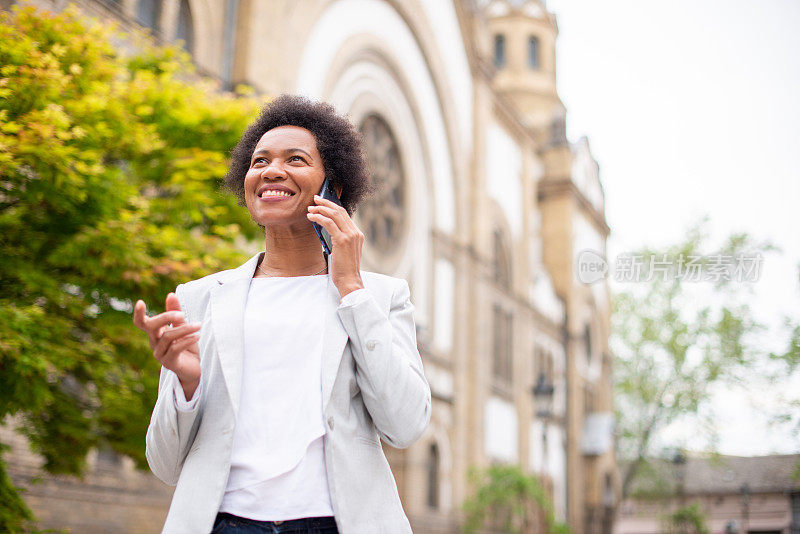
<point>232,524</point>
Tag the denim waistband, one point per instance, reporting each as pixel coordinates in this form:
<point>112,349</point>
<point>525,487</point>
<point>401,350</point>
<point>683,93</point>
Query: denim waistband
<point>304,522</point>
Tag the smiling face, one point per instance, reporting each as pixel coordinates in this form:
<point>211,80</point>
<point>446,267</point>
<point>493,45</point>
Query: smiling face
<point>285,173</point>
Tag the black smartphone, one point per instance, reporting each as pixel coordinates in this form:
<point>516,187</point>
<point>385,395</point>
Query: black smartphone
<point>328,193</point>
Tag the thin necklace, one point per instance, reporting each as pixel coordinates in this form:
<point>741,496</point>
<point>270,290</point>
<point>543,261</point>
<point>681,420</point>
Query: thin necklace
<point>316,273</point>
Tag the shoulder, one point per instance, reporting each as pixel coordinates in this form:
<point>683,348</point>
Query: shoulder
<point>194,295</point>
<point>245,270</point>
<point>206,282</point>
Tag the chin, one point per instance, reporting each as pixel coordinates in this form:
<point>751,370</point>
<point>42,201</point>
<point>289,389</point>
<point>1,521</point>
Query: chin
<point>277,220</point>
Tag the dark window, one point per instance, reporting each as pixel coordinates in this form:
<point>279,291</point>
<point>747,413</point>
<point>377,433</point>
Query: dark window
<point>433,476</point>
<point>588,340</point>
<point>114,4</point>
<point>147,13</point>
<point>185,26</point>
<point>543,364</point>
<point>501,360</point>
<point>588,400</point>
<point>533,52</point>
<point>499,51</point>
<point>502,267</point>
<point>795,499</point>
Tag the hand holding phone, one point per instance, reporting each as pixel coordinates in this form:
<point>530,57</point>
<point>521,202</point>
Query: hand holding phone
<point>327,193</point>
<point>329,215</point>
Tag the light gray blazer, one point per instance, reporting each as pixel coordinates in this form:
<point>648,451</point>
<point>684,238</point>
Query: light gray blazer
<point>372,385</point>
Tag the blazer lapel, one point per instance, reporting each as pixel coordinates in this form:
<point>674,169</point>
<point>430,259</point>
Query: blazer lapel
<point>228,301</point>
<point>333,342</point>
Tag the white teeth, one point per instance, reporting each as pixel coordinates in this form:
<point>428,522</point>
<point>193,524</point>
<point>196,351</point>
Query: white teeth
<point>275,193</point>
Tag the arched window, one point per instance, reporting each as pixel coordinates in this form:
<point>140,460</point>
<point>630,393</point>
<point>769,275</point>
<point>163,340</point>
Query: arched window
<point>383,215</point>
<point>185,30</point>
<point>502,345</point>
<point>433,476</point>
<point>502,266</point>
<point>502,318</point>
<point>499,51</point>
<point>533,52</point>
<point>543,364</point>
<point>148,12</point>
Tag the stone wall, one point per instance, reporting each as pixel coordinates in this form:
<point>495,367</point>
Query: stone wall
<point>112,497</point>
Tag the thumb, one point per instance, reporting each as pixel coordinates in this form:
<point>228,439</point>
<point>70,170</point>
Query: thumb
<point>173,304</point>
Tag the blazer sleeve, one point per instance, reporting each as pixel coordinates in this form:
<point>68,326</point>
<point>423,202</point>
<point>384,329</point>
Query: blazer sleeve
<point>171,431</point>
<point>389,368</point>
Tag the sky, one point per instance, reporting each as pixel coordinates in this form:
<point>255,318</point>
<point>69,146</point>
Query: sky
<point>692,107</point>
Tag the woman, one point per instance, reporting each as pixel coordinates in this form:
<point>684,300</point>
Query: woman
<point>278,377</point>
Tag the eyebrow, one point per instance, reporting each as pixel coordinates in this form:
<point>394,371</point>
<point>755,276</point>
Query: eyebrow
<point>287,151</point>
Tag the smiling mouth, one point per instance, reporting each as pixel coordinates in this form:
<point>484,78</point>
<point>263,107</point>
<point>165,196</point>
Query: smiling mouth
<point>273,193</point>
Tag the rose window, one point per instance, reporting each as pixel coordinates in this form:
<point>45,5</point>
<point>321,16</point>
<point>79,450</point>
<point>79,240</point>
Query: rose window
<point>382,217</point>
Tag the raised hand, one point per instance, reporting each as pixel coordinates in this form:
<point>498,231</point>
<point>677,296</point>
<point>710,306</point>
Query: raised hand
<point>175,346</point>
<point>347,239</point>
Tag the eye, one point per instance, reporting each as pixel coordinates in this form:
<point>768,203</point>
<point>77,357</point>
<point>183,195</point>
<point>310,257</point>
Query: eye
<point>296,158</point>
<point>259,160</point>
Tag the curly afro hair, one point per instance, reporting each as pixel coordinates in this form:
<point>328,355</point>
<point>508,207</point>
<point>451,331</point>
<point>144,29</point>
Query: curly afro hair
<point>338,143</point>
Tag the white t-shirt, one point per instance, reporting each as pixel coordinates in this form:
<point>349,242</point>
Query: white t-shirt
<point>278,463</point>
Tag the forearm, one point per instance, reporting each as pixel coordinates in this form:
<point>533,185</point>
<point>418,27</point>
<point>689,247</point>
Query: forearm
<point>189,388</point>
<point>389,368</point>
<point>171,430</point>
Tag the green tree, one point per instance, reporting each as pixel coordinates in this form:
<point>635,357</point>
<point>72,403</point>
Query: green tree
<point>110,176</point>
<point>507,498</point>
<point>673,345</point>
<point>686,520</point>
<point>788,367</point>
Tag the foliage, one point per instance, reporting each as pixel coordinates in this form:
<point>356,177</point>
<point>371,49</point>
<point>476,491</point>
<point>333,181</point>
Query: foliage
<point>110,171</point>
<point>672,347</point>
<point>788,362</point>
<point>13,511</point>
<point>507,497</point>
<point>686,520</point>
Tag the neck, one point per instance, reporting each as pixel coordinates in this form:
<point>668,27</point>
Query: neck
<point>291,251</point>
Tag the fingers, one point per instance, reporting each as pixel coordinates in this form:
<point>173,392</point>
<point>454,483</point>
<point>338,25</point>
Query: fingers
<point>325,202</point>
<point>340,220</point>
<point>175,340</point>
<point>340,237</point>
<point>143,322</point>
<point>337,214</point>
<point>327,223</point>
<point>139,314</point>
<point>173,304</point>
<point>174,318</point>
<point>182,344</point>
<point>332,210</point>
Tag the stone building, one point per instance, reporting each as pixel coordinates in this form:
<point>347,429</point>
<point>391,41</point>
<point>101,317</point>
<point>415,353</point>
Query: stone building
<point>735,495</point>
<point>484,208</point>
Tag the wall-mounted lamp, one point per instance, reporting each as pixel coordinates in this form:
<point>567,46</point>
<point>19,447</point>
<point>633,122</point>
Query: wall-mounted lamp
<point>543,396</point>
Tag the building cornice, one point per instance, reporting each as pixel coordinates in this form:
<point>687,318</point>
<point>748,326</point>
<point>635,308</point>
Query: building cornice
<point>550,188</point>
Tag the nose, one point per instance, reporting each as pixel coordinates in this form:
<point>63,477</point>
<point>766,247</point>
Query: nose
<point>274,170</point>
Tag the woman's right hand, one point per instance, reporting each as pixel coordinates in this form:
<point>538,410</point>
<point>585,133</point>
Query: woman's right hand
<point>174,347</point>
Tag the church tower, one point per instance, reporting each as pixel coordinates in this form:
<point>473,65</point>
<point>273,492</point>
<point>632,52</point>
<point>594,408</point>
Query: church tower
<point>521,43</point>
<point>523,46</point>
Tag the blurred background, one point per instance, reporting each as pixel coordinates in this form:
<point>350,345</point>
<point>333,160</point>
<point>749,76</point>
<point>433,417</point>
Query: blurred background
<point>594,204</point>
